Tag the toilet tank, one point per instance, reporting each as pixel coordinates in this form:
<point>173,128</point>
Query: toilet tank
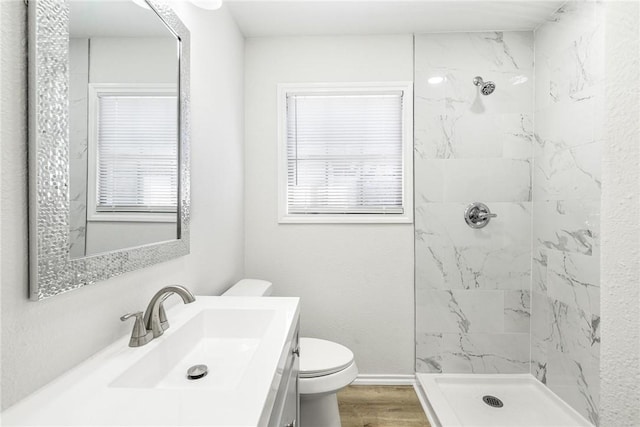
<point>250,288</point>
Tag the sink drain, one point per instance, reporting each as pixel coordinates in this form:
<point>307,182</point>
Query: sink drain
<point>197,371</point>
<point>492,401</point>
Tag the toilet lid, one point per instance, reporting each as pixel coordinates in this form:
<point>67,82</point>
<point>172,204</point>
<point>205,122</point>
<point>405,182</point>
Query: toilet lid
<point>321,357</point>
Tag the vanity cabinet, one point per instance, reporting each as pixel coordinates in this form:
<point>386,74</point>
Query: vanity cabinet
<point>251,349</point>
<point>286,409</point>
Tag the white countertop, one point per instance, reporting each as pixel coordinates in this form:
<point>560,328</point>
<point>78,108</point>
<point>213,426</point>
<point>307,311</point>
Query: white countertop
<point>86,395</point>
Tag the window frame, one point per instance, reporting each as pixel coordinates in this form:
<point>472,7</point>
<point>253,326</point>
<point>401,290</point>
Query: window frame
<point>284,89</point>
<point>95,90</point>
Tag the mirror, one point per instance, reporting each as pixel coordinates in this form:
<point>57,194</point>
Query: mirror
<point>123,127</point>
<point>109,138</point>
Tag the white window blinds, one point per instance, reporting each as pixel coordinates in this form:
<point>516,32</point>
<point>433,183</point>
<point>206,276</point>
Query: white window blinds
<point>345,153</point>
<point>137,153</point>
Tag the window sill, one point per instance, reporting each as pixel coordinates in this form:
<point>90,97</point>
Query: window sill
<point>345,219</point>
<point>133,217</point>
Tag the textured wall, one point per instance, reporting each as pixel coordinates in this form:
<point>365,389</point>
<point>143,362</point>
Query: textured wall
<point>472,286</point>
<point>355,280</point>
<point>566,198</point>
<point>47,338</point>
<point>620,296</point>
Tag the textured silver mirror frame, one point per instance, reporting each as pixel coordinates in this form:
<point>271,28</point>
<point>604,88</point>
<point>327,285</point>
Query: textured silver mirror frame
<point>51,270</point>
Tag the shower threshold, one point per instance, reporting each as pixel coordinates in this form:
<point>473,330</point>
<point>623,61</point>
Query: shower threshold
<point>453,400</point>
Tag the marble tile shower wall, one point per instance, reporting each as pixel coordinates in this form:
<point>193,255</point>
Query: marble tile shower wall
<point>565,335</point>
<point>78,105</point>
<point>472,286</point>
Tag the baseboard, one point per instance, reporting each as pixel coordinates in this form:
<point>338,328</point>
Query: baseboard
<point>384,379</point>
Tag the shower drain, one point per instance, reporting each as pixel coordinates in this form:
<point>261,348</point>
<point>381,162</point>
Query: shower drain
<point>492,401</point>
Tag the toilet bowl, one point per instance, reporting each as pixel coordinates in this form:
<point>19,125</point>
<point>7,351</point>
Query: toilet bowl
<point>325,367</point>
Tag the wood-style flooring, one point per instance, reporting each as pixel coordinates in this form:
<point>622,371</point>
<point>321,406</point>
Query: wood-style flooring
<point>381,406</point>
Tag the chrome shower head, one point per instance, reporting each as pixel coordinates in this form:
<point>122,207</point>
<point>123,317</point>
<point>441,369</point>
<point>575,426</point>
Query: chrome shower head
<point>486,88</point>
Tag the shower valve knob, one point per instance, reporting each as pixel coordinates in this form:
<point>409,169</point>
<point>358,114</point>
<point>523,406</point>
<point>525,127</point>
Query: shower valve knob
<point>478,215</point>
<point>482,215</point>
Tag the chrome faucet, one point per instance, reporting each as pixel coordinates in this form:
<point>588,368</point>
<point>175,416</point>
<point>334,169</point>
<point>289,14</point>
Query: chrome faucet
<point>152,317</point>
<point>154,322</point>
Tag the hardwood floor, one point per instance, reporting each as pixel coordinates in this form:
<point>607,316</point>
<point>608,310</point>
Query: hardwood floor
<point>381,406</point>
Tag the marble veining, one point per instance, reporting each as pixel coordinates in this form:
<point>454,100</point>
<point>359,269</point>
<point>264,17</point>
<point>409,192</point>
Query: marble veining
<point>472,268</point>
<point>565,309</point>
<point>498,43</point>
<point>522,294</point>
<point>572,172</point>
<point>574,280</point>
<point>517,311</point>
<point>567,225</point>
<point>78,131</point>
<point>461,311</point>
<point>472,286</point>
<point>473,353</point>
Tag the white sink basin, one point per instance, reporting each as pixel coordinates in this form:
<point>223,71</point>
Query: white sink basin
<point>224,340</point>
<point>241,340</point>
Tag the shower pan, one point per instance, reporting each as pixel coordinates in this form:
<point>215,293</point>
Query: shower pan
<point>508,400</point>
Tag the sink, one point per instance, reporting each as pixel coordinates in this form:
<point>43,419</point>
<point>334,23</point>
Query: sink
<point>244,341</point>
<point>224,340</point>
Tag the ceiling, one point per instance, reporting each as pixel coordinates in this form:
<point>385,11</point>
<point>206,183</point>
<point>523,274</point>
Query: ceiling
<point>114,18</point>
<point>259,18</point>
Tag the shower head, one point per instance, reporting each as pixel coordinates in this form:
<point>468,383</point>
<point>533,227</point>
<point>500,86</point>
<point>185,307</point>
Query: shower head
<point>486,88</point>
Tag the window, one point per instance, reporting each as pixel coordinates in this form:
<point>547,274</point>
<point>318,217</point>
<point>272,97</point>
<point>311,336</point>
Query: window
<point>345,153</point>
<point>133,152</point>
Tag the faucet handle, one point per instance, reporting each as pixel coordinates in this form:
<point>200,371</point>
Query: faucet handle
<point>128,316</point>
<point>140,335</point>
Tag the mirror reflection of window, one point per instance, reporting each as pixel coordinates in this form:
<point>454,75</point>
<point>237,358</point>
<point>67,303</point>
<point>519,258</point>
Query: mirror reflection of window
<point>124,135</point>
<point>134,151</point>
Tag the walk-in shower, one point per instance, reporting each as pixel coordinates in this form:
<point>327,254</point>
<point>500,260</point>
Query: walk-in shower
<point>509,308</point>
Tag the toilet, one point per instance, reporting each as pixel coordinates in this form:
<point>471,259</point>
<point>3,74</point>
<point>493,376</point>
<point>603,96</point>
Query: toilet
<point>326,367</point>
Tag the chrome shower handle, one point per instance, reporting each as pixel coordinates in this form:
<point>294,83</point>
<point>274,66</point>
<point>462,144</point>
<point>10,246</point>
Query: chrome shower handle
<point>483,215</point>
<point>478,215</point>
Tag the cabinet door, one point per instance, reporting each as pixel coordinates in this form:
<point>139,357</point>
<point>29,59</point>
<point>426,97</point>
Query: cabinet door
<point>292,398</point>
<point>286,407</point>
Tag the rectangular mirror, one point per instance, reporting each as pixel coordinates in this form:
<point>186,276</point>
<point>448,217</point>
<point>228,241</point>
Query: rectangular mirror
<point>109,138</point>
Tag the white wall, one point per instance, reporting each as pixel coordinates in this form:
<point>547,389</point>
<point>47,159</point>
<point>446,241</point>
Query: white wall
<point>355,280</point>
<point>105,236</point>
<point>44,339</point>
<point>620,276</point>
<point>133,60</point>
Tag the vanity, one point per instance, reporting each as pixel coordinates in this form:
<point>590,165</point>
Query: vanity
<point>250,346</point>
<point>109,181</point>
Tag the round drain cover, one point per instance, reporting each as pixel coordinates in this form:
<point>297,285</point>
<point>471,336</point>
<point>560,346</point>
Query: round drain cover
<point>197,371</point>
<point>492,401</point>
